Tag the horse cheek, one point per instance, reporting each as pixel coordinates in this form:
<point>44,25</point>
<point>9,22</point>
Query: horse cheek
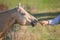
<point>22,22</point>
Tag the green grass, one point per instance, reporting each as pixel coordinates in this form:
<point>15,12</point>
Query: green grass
<point>38,4</point>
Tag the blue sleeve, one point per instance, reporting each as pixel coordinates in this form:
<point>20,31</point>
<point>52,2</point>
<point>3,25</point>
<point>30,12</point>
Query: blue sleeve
<point>54,21</point>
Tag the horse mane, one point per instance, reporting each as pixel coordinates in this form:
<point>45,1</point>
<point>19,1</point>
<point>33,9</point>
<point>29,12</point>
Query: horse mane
<point>10,10</point>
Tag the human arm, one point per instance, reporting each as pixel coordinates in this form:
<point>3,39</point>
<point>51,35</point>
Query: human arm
<point>54,21</point>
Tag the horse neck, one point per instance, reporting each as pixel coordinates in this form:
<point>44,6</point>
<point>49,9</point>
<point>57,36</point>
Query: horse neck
<point>9,11</point>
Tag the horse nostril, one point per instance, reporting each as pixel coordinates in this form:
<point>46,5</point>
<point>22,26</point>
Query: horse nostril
<point>34,22</point>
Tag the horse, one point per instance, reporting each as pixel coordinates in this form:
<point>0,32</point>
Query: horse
<point>16,15</point>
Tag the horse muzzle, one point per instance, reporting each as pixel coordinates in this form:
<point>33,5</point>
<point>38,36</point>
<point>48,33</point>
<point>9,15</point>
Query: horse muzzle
<point>34,22</point>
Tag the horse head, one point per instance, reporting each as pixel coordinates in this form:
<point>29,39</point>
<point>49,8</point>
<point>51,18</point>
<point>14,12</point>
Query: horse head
<point>27,18</point>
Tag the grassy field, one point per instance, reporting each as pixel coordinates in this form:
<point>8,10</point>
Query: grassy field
<point>35,5</point>
<point>39,32</point>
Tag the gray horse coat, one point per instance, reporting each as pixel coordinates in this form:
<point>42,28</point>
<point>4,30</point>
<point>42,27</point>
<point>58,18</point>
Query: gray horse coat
<point>19,15</point>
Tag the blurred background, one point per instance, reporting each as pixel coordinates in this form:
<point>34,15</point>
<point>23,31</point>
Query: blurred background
<point>42,10</point>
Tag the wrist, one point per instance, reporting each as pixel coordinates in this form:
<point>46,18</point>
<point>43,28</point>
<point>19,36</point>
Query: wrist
<point>49,22</point>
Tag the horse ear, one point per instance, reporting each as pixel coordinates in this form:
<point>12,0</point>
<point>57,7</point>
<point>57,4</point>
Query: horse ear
<point>19,5</point>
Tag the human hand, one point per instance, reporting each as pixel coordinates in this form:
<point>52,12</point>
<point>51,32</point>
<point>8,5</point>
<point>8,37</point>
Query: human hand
<point>44,22</point>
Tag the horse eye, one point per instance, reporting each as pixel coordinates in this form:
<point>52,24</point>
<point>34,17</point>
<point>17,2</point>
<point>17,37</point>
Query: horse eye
<point>22,13</point>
